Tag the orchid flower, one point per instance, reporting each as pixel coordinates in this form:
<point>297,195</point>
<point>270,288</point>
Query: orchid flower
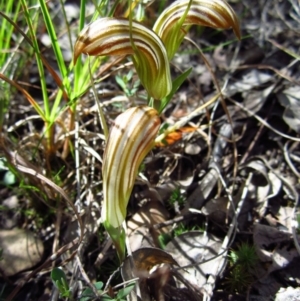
<point>172,24</point>
<point>131,138</point>
<point>133,134</point>
<point>116,36</point>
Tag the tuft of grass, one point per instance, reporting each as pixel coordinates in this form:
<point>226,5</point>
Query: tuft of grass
<point>8,56</point>
<point>238,279</point>
<point>245,255</point>
<point>182,228</point>
<point>242,263</point>
<point>177,198</point>
<point>72,81</point>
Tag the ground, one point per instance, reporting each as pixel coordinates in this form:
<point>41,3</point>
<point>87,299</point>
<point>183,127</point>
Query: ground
<point>217,196</point>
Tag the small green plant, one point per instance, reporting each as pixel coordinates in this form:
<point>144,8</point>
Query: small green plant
<point>177,197</point>
<point>60,281</point>
<point>122,293</point>
<point>238,279</point>
<point>163,240</point>
<point>242,262</point>
<point>88,294</point>
<point>244,255</point>
<point>181,228</point>
<point>129,86</point>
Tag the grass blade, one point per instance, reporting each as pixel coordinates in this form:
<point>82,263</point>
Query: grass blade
<point>35,45</point>
<point>55,45</point>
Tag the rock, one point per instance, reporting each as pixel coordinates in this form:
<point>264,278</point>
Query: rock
<point>11,202</point>
<point>10,215</point>
<point>21,250</point>
<point>288,294</point>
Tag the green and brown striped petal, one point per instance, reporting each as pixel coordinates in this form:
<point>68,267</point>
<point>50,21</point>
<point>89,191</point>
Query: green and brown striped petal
<point>131,138</point>
<point>211,13</point>
<point>116,36</point>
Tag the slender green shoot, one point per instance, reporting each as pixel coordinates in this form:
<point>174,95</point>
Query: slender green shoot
<point>30,18</point>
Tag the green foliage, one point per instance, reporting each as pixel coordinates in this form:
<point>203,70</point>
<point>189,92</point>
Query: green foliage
<point>60,281</point>
<point>7,57</point>
<point>177,197</point>
<point>118,237</point>
<point>127,86</point>
<point>238,279</point>
<point>242,262</point>
<point>244,255</point>
<point>88,294</point>
<point>163,239</point>
<point>12,9</point>
<point>175,86</point>
<point>25,189</point>
<point>57,177</point>
<point>122,293</point>
<point>181,228</point>
<point>69,90</point>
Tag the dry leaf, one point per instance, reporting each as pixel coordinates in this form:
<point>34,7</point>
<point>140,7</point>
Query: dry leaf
<point>274,246</point>
<point>193,248</point>
<point>140,226</point>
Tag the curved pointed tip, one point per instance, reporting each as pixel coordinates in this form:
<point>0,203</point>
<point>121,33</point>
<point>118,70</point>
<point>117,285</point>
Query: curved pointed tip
<point>78,49</point>
<point>237,31</point>
<point>235,24</point>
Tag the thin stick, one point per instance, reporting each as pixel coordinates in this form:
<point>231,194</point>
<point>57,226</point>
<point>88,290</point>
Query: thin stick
<point>210,284</point>
<point>99,105</point>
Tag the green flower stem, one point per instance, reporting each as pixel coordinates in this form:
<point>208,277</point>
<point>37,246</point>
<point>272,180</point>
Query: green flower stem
<point>118,238</point>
